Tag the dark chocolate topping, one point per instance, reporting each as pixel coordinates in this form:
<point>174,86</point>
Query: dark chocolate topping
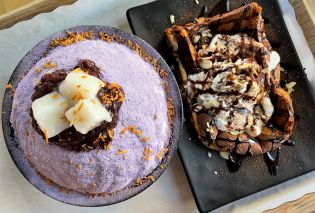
<point>272,162</point>
<point>234,162</point>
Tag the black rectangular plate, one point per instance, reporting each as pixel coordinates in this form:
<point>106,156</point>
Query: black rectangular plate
<point>212,184</point>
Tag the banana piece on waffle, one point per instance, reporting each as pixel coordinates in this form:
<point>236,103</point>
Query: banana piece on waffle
<point>229,77</point>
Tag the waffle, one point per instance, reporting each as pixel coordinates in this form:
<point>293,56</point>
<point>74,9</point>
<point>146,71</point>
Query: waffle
<point>229,77</point>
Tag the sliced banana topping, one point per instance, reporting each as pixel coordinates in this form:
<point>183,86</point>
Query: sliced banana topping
<point>205,64</point>
<point>201,76</point>
<point>208,101</point>
<point>206,33</point>
<point>221,120</point>
<point>196,39</point>
<point>238,119</point>
<point>255,129</point>
<point>229,82</point>
<point>274,60</point>
<point>254,89</point>
<point>225,155</point>
<point>267,106</point>
<point>217,44</point>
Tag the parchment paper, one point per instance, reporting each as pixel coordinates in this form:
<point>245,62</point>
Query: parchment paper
<point>171,192</point>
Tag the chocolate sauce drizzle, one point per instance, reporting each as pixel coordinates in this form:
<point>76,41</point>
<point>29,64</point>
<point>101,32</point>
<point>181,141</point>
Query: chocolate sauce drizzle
<point>266,20</point>
<point>272,162</point>
<point>234,162</point>
<point>203,12</point>
<point>219,8</point>
<point>243,148</point>
<point>289,143</point>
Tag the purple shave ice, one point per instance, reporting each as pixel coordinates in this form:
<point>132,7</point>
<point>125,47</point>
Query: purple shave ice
<point>145,107</point>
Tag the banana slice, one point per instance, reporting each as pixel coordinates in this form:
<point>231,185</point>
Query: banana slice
<point>274,60</point>
<point>87,114</point>
<point>79,85</point>
<point>49,112</point>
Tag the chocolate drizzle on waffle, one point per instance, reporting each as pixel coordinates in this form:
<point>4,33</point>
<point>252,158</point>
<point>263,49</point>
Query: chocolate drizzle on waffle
<point>111,96</point>
<point>234,162</point>
<point>230,79</point>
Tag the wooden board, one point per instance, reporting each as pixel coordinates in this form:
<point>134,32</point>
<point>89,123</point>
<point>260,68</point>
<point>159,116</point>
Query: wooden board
<point>8,5</point>
<point>304,205</point>
<point>305,15</point>
<point>30,10</point>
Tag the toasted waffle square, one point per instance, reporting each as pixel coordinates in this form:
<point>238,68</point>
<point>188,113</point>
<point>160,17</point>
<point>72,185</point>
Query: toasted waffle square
<point>229,78</point>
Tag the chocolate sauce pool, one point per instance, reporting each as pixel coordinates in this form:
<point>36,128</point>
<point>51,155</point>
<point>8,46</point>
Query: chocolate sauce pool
<point>235,161</point>
<point>272,162</point>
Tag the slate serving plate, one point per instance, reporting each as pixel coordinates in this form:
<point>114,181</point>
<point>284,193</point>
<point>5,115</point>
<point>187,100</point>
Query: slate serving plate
<point>50,189</point>
<point>212,184</point>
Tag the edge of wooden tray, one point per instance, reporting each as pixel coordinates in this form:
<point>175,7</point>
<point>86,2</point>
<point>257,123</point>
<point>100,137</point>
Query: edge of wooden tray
<point>30,10</point>
<point>306,18</point>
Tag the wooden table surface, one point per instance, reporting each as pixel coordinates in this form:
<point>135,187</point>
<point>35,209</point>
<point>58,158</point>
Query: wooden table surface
<point>28,11</point>
<point>305,204</point>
